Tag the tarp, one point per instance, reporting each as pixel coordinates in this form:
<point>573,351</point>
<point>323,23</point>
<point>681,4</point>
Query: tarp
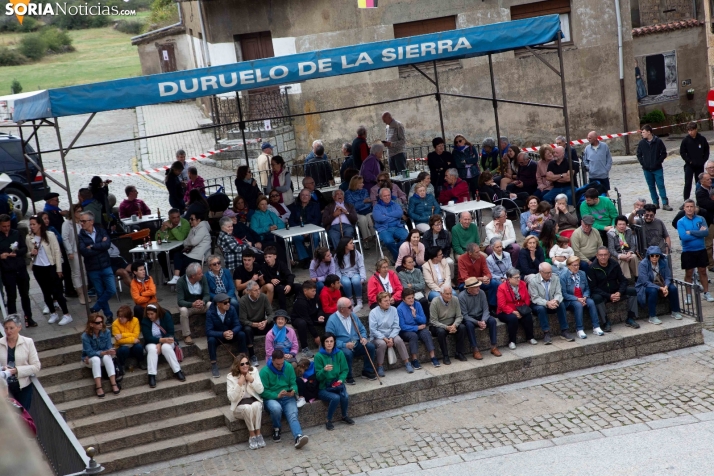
<point>194,83</point>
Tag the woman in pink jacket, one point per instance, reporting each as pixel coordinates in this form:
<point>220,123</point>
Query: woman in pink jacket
<point>282,337</point>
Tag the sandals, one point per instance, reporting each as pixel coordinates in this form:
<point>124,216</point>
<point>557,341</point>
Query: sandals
<point>98,389</point>
<point>117,391</point>
<point>29,322</point>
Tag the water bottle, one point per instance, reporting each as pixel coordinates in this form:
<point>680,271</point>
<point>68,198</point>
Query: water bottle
<point>302,222</point>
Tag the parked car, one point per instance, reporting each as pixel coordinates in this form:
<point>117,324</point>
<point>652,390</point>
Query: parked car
<point>12,163</point>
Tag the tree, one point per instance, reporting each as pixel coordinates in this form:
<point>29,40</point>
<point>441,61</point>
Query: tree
<point>15,87</point>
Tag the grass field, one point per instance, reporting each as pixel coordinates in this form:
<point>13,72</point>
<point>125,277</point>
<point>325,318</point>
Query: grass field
<point>101,54</point>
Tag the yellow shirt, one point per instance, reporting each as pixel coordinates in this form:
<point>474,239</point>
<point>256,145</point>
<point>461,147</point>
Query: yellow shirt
<point>129,332</point>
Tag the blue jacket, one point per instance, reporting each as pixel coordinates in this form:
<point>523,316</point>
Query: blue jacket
<point>420,208</point>
<point>407,322</point>
<point>261,221</point>
<point>312,213</point>
<point>694,241</point>
<point>568,285</point>
<point>216,328</point>
<point>598,162</point>
<point>166,323</point>
<point>387,215</point>
<point>645,278</point>
<point>341,336</point>
<point>92,346</point>
<point>356,199</point>
<point>464,159</point>
<point>96,258</point>
<point>227,282</point>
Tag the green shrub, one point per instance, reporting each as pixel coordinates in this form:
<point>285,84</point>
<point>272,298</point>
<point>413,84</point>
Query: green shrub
<point>33,46</point>
<point>57,41</point>
<point>653,117</point>
<point>29,24</point>
<point>131,27</point>
<point>163,12</point>
<point>15,87</point>
<point>9,57</point>
<point>79,22</point>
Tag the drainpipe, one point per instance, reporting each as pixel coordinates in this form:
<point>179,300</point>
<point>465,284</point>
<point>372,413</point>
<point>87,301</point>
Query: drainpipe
<point>622,75</point>
<point>206,54</point>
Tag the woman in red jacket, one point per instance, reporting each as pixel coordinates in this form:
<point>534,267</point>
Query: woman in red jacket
<point>384,280</point>
<point>514,307</point>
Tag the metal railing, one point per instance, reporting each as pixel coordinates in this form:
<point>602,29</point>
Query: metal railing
<point>64,453</point>
<point>693,308</point>
<point>254,105</point>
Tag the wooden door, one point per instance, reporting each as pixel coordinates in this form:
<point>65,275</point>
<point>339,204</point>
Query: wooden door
<point>255,46</point>
<point>167,58</point>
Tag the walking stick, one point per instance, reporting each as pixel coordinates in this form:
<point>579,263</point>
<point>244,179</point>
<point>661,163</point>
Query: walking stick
<point>354,323</point>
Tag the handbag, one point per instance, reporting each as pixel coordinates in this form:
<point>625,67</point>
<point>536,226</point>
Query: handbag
<point>391,356</point>
<point>524,311</point>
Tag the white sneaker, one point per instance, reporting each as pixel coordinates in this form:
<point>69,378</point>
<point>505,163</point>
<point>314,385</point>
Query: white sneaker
<point>581,335</point>
<point>45,310</point>
<point>707,296</point>
<point>66,319</point>
<point>56,305</point>
<point>301,402</point>
<point>53,318</point>
<point>533,342</point>
<point>689,298</point>
<point>173,281</point>
<point>677,315</point>
<point>511,345</point>
<point>358,307</point>
<point>598,332</point>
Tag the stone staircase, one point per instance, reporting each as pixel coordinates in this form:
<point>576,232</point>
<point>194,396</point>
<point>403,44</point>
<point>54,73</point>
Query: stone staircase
<point>144,425</point>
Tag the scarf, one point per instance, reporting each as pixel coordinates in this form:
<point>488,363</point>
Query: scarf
<point>277,372</point>
<point>335,350</point>
<point>87,202</point>
<point>51,208</point>
<point>249,181</point>
<point>220,286</point>
<point>623,241</point>
<point>516,292</point>
<point>310,372</point>
<point>280,338</point>
<point>461,148</point>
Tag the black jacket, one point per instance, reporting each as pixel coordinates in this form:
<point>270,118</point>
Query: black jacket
<point>308,309</point>
<point>443,241</point>
<point>96,258</point>
<point>651,154</point>
<point>526,265</point>
<point>348,163</point>
<point>606,280</point>
<point>279,271</point>
<point>249,192</point>
<point>17,263</point>
<point>705,203</point>
<point>312,213</point>
<point>694,151</point>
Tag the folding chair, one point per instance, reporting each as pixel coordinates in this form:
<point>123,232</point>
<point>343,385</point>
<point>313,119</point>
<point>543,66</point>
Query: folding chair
<point>506,203</point>
<point>379,242</point>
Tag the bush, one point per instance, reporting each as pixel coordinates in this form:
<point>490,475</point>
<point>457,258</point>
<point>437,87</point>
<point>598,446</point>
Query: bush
<point>29,24</point>
<point>131,27</point>
<point>653,117</point>
<point>10,57</point>
<point>79,22</point>
<point>15,87</point>
<point>163,13</point>
<point>57,41</point>
<point>33,46</point>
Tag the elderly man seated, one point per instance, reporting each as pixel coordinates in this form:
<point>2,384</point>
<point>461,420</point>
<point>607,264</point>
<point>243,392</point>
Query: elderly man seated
<point>339,218</point>
<point>193,297</point>
<point>454,189</point>
<point>608,284</point>
<point>474,309</point>
<point>547,298</point>
<point>445,319</point>
<point>473,264</point>
<point>256,316</point>
<point>351,340</point>
<point>383,181</point>
<point>224,327</point>
<point>132,205</point>
<point>387,216</point>
<point>502,228</point>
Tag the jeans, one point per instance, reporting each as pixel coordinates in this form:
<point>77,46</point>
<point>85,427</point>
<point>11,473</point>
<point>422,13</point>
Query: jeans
<point>335,233</point>
<point>433,294</point>
<point>104,282</point>
<point>238,344</point>
<point>550,196</point>
<point>299,243</point>
<point>288,407</point>
<point>412,340</point>
<point>630,297</point>
<point>333,399</point>
<point>397,163</point>
<point>578,312</point>
<point>124,351</point>
<point>656,177</point>
<point>690,171</point>
<point>321,284</point>
<point>352,286</point>
<point>471,328</point>
<point>542,313</point>
<point>652,295</point>
<point>357,351</point>
<point>392,238</point>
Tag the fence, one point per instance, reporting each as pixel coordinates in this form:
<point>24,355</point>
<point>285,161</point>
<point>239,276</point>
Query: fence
<point>253,105</point>
<point>693,308</point>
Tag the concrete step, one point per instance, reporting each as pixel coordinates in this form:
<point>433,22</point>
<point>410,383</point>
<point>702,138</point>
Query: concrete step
<point>147,433</point>
<point>130,417</point>
<point>59,356</point>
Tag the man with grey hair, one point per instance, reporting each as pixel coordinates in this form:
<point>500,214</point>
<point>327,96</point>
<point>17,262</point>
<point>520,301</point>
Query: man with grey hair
<point>193,297</point>
<point>638,210</point>
<point>372,166</point>
<point>559,175</point>
<point>598,159</point>
<point>526,180</point>
<point>256,316</point>
<point>503,145</point>
<point>562,142</point>
<point>455,189</point>
<point>445,319</point>
<point>94,244</point>
<point>490,156</point>
<point>352,341</point>
<point>388,223</point>
<point>547,298</point>
<point>395,141</point>
<point>181,157</point>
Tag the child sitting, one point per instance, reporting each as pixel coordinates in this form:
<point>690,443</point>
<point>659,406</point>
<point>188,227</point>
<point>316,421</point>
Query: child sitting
<point>330,294</point>
<point>308,387</point>
<point>536,220</point>
<point>560,252</point>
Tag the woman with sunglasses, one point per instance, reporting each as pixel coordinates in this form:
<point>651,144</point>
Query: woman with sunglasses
<point>70,245</point>
<point>157,327</point>
<point>97,350</point>
<point>244,389</point>
<point>655,279</point>
<point>47,268</point>
<point>466,160</point>
<point>278,208</point>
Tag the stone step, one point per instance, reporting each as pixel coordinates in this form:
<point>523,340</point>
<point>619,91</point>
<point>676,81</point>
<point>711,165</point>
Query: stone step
<point>59,356</point>
<point>147,433</point>
<point>147,413</point>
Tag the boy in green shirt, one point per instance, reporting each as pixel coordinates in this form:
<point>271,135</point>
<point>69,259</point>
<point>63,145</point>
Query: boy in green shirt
<point>176,228</point>
<point>601,209</point>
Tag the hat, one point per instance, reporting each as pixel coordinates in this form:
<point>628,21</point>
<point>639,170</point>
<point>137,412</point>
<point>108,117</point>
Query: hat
<point>588,219</point>
<point>472,283</point>
<point>220,297</point>
<point>50,196</point>
<point>281,313</point>
<point>229,213</point>
<point>266,145</point>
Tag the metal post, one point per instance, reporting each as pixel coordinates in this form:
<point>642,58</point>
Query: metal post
<point>565,117</point>
<point>241,125</point>
<point>437,96</point>
<point>495,104</point>
<point>27,172</point>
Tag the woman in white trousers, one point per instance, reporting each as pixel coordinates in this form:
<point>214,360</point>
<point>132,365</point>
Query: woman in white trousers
<point>97,350</point>
<point>157,327</point>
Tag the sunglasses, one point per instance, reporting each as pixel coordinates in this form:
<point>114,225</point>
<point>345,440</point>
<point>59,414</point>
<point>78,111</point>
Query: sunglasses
<point>84,221</point>
<point>460,141</point>
<point>215,264</point>
<point>245,364</point>
<point>99,323</point>
<point>226,302</point>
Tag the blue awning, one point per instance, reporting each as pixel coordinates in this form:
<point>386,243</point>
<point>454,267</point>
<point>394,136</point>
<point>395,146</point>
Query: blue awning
<point>194,83</point>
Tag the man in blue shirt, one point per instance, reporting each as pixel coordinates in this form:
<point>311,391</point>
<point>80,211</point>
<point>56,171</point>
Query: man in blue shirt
<point>692,230</point>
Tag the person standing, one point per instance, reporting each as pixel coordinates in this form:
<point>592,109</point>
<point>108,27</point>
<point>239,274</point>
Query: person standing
<point>263,164</point>
<point>14,272</point>
<point>692,230</point>
<point>598,159</point>
<point>18,358</point>
<point>651,152</point>
<point>439,161</point>
<point>695,153</point>
<point>396,140</point>
<point>360,149</point>
<point>372,165</point>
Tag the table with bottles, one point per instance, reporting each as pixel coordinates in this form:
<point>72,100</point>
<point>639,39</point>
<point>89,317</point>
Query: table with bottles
<point>153,248</point>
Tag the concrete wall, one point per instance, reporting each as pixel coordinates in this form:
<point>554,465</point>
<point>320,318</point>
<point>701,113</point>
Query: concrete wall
<point>591,70</point>
<point>149,53</point>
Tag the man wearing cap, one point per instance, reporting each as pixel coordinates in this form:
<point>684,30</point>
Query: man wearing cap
<point>547,298</point>
<point>585,242</point>
<point>266,153</point>
<point>56,217</point>
<point>474,309</point>
<point>131,204</point>
<point>257,316</point>
<point>223,326</point>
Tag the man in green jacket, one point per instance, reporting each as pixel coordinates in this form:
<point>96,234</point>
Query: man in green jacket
<point>176,228</point>
<point>279,394</point>
<point>463,233</point>
<point>601,209</point>
<point>193,297</point>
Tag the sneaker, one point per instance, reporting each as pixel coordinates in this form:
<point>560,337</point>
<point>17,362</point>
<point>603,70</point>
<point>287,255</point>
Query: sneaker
<point>688,299</point>
<point>53,317</point>
<point>598,332</point>
<point>254,361</point>
<point>512,345</point>
<point>329,426</point>
<point>66,319</point>
<point>358,307</point>
<point>214,370</point>
<point>707,296</point>
<point>261,441</point>
<point>547,339</point>
<point>380,371</point>
<point>666,207</point>
<point>56,305</point>
<point>252,443</point>
<point>301,441</point>
<point>276,434</point>
<point>607,327</point>
<point>654,320</point>
<point>567,336</point>
<point>369,375</point>
<point>533,342</point>
<point>581,335</point>
<point>446,360</point>
<point>675,315</point>
<point>350,381</point>
<point>410,369</point>
<point>173,281</point>
<point>416,364</point>
<point>630,322</point>
<point>301,402</point>
<point>435,362</point>
<point>348,420</point>
<point>307,353</point>
<point>45,310</point>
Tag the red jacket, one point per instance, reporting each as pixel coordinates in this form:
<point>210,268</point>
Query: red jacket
<point>468,267</point>
<point>506,298</point>
<point>374,287</point>
<point>328,298</point>
<point>458,193</point>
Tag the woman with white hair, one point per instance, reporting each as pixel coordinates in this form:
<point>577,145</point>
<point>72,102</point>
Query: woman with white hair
<point>372,166</point>
<point>18,360</point>
<point>502,228</point>
<point>231,247</point>
<point>565,219</point>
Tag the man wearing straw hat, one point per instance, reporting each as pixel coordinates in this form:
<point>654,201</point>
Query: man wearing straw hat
<point>474,309</point>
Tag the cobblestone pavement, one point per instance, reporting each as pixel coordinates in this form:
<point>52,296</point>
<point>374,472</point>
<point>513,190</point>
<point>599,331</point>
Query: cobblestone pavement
<point>657,387</point>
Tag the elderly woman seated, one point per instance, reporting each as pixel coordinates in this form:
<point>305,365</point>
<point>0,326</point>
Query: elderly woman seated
<point>655,279</point>
<point>621,244</point>
<point>502,228</point>
<point>566,220</point>
<point>97,350</point>
<point>384,329</point>
<point>413,325</point>
<point>422,206</point>
<point>231,246</point>
<point>383,181</point>
<point>498,262</point>
<point>220,280</point>
<point>384,279</point>
<point>424,178</point>
<point>576,295</point>
<point>514,307</point>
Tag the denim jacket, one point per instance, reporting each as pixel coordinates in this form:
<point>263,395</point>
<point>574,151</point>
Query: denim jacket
<point>92,346</point>
<point>568,285</point>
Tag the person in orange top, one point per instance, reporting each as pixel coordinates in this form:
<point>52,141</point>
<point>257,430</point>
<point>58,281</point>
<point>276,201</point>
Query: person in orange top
<point>473,264</point>
<point>330,294</point>
<point>125,330</point>
<point>143,288</point>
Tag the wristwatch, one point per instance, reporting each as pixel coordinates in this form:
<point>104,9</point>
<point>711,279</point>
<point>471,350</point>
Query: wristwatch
<point>561,175</point>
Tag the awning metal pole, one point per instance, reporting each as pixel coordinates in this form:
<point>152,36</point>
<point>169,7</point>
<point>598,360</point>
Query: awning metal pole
<point>438,101</point>
<point>495,106</point>
<point>27,172</point>
<point>565,118</point>
<point>241,125</point>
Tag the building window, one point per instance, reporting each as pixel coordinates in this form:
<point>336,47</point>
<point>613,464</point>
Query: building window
<point>549,7</point>
<point>423,27</point>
